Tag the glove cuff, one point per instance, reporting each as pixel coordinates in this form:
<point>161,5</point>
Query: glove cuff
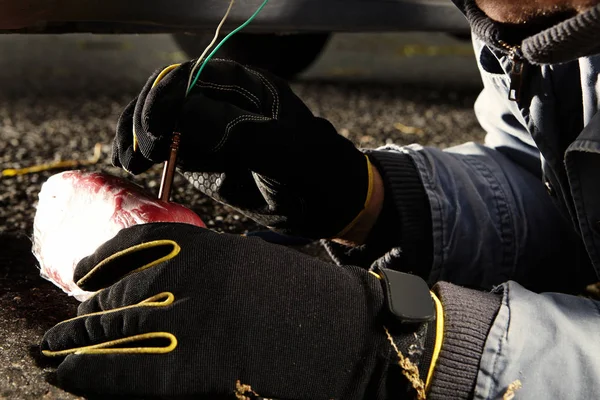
<point>334,184</point>
<point>369,197</point>
<point>468,318</point>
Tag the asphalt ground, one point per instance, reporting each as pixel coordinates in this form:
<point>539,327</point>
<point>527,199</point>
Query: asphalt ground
<point>61,95</point>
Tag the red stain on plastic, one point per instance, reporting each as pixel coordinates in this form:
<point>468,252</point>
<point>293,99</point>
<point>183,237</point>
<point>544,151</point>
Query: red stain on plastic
<point>79,211</point>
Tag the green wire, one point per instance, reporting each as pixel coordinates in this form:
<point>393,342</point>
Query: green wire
<point>222,42</point>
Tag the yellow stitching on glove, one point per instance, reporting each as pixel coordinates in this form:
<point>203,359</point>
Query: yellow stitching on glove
<point>133,249</point>
<point>160,300</point>
<point>153,301</point>
<point>159,78</point>
<point>439,337</point>
<point>367,201</point>
<point>105,348</point>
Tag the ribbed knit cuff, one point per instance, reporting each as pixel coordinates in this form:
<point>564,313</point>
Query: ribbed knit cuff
<point>562,41</point>
<point>468,318</point>
<point>403,184</point>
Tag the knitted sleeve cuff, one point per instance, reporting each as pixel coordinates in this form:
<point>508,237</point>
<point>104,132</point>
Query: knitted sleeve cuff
<point>468,318</point>
<point>405,190</point>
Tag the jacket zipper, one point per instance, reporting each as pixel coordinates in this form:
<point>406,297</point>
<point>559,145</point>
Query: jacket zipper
<point>516,72</point>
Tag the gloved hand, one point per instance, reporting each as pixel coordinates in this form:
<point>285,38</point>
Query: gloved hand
<point>248,141</point>
<point>184,311</point>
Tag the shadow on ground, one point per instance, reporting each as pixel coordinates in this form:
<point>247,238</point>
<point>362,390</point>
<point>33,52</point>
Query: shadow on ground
<point>29,306</point>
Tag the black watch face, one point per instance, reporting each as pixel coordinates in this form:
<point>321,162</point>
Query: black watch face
<point>408,297</point>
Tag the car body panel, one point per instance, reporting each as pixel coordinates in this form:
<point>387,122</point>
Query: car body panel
<point>279,16</point>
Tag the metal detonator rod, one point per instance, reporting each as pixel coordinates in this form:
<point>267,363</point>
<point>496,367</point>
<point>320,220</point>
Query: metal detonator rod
<point>168,175</point>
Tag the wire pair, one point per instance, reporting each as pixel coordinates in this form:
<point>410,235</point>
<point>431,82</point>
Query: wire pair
<point>200,63</point>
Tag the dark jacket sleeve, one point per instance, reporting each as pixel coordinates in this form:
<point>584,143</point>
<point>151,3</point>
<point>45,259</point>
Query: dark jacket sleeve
<point>468,215</point>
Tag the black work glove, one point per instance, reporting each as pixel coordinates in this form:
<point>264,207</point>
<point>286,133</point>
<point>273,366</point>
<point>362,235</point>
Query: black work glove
<point>184,311</point>
<point>248,141</point>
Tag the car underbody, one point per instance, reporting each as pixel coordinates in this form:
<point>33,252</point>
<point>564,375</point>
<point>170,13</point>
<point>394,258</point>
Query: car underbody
<point>280,16</point>
<point>285,38</point>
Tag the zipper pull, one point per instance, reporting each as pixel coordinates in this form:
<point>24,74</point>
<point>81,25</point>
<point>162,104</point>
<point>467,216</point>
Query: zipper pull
<point>516,76</point>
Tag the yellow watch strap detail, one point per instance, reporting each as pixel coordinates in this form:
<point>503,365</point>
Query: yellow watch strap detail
<point>159,78</point>
<point>376,275</point>
<point>439,337</point>
<point>107,347</point>
<point>133,249</point>
<point>367,201</point>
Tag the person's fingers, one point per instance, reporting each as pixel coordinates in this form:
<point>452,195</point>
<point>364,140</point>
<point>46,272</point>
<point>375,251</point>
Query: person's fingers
<point>133,249</point>
<point>134,143</point>
<point>157,113</point>
<point>111,331</point>
<point>203,122</point>
<point>123,293</point>
<point>132,147</point>
<point>124,134</point>
<point>147,376</point>
<point>253,87</point>
<point>123,154</point>
<point>233,83</point>
<point>210,125</point>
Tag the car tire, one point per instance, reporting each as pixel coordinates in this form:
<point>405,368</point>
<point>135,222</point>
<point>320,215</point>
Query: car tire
<point>286,56</point>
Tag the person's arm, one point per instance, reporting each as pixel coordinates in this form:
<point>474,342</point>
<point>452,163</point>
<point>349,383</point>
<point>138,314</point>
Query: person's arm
<point>472,214</point>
